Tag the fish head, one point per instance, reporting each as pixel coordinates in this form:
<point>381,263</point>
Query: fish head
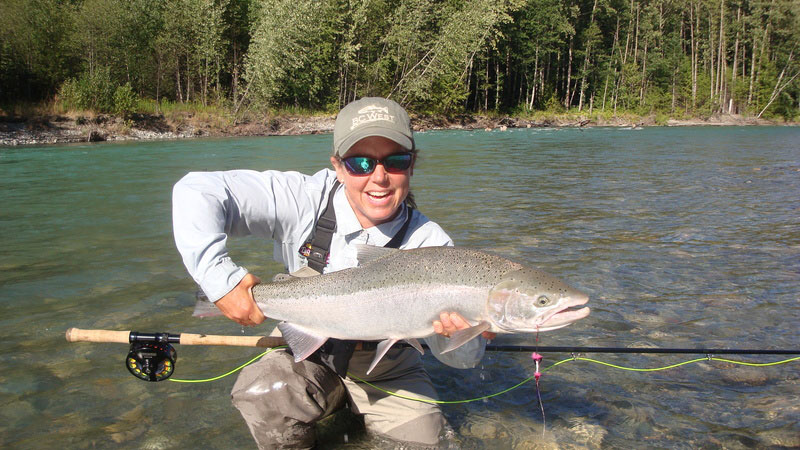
<point>529,300</point>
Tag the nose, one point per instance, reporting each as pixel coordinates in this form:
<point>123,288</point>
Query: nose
<point>379,175</point>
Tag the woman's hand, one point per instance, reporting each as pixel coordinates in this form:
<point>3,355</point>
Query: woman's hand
<point>239,304</point>
<point>449,323</point>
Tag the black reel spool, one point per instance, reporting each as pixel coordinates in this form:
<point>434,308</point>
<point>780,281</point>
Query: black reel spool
<point>151,361</point>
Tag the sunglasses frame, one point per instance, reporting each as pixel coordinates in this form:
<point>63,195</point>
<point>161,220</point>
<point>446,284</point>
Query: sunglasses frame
<point>374,163</point>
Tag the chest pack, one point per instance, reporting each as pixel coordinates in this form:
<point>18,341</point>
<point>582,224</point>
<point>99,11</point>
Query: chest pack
<point>336,353</point>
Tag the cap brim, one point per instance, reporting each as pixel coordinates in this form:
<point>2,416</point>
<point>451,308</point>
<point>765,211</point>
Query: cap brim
<point>396,136</point>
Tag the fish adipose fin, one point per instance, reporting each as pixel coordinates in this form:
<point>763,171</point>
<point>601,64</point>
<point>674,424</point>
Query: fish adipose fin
<point>302,342</point>
<point>383,347</point>
<point>461,337</point>
<point>415,343</point>
<point>370,253</point>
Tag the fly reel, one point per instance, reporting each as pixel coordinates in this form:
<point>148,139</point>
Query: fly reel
<point>151,357</point>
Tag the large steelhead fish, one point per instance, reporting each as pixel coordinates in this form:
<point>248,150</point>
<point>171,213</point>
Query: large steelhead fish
<point>397,294</point>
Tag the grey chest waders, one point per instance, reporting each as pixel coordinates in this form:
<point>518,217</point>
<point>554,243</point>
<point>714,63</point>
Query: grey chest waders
<point>336,353</point>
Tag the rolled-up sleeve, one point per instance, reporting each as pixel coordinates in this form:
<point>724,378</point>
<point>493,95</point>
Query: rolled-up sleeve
<point>209,207</point>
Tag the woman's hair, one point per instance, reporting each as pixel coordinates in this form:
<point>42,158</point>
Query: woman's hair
<point>411,202</point>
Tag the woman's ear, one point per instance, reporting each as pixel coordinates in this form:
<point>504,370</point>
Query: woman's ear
<point>339,168</point>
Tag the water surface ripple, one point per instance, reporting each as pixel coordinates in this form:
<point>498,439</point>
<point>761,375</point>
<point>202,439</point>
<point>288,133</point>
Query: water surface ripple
<point>682,236</point>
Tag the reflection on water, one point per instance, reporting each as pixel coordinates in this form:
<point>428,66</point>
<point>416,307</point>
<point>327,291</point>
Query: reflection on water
<point>682,237</point>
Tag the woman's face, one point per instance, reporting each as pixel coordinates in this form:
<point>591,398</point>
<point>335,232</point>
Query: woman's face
<point>376,197</point>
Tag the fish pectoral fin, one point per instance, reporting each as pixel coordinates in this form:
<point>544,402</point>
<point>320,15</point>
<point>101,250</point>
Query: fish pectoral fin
<point>415,343</point>
<point>302,342</point>
<point>383,347</point>
<point>461,337</point>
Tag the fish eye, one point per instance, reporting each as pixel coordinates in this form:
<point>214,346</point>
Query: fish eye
<point>542,301</point>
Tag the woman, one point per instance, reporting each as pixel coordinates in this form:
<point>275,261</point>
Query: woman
<point>367,196</point>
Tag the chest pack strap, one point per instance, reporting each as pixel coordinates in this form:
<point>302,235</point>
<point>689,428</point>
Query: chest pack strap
<point>317,247</point>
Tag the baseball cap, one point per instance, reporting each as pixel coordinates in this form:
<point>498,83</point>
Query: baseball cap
<point>371,116</point>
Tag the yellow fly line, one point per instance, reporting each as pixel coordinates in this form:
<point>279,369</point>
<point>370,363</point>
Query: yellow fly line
<point>450,402</point>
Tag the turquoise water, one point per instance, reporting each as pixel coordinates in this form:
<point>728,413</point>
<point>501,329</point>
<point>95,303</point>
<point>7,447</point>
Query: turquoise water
<point>682,237</point>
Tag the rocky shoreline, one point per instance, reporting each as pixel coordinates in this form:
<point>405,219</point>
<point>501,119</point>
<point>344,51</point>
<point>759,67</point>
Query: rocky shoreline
<point>16,131</point>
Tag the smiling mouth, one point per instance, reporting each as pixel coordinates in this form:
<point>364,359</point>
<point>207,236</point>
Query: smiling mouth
<point>378,195</point>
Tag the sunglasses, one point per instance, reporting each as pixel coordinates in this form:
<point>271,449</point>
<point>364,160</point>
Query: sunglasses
<point>364,165</point>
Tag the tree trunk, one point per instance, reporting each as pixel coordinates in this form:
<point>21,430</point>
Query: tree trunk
<point>569,75</point>
<point>586,61</point>
<point>636,37</point>
<point>692,15</point>
<point>711,59</point>
<point>721,57</point>
<point>644,71</point>
<point>778,88</point>
<point>535,72</point>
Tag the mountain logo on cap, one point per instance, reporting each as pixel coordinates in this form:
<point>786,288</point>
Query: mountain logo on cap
<point>371,113</point>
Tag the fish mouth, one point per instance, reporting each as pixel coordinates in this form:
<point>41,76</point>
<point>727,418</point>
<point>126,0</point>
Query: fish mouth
<point>565,314</point>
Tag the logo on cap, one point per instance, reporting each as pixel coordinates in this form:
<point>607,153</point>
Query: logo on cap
<point>371,113</point>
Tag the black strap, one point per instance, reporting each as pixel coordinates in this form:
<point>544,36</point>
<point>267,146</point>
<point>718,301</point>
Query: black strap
<point>318,246</point>
<point>401,233</point>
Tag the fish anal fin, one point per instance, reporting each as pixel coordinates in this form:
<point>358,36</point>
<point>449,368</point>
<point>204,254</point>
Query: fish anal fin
<point>415,343</point>
<point>383,347</point>
<point>461,337</point>
<point>302,342</point>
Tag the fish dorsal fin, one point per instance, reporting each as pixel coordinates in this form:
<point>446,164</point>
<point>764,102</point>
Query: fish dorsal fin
<point>303,272</point>
<point>302,342</point>
<point>383,347</point>
<point>461,337</point>
<point>370,253</point>
<point>415,343</point>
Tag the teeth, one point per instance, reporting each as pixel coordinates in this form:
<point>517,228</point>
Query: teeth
<point>378,194</point>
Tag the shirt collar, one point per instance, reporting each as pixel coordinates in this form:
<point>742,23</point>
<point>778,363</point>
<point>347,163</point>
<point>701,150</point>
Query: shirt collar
<point>347,223</point>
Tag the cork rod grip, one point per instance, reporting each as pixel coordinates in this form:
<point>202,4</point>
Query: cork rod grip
<point>79,335</point>
<point>123,337</point>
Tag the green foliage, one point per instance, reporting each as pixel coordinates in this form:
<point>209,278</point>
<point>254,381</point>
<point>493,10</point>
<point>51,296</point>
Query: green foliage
<point>435,56</point>
<point>91,91</point>
<point>125,100</point>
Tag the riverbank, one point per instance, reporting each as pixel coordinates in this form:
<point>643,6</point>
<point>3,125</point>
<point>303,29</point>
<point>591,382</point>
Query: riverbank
<point>56,129</point>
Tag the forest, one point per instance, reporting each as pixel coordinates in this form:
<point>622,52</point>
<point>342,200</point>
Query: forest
<point>679,58</point>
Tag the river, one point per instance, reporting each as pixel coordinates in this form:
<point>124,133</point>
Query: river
<point>683,237</point>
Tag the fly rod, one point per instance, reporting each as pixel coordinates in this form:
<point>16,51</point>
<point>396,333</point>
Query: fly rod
<point>152,358</point>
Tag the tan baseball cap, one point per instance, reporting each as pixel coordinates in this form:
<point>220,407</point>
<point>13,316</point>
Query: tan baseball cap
<point>371,116</point>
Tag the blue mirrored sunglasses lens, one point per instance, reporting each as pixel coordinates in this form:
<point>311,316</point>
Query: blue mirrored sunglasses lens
<point>397,163</point>
<point>360,165</point>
